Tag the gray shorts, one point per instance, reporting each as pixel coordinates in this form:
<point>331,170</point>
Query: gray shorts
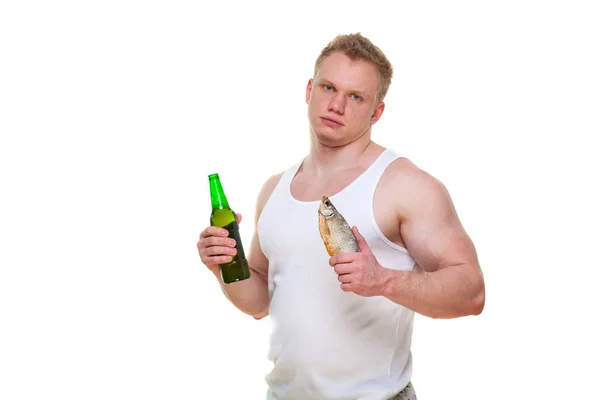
<point>408,393</point>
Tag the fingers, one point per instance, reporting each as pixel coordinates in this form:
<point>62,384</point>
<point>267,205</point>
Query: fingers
<point>218,251</point>
<point>215,260</point>
<point>239,217</point>
<point>217,241</point>
<point>346,287</point>
<point>346,274</point>
<point>345,278</point>
<point>211,255</point>
<point>343,258</point>
<point>215,247</point>
<point>214,231</point>
<point>342,269</point>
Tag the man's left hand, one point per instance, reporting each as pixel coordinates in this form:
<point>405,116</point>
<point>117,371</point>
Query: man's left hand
<point>360,272</point>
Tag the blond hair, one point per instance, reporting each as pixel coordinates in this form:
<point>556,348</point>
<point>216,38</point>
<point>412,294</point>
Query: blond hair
<point>357,47</point>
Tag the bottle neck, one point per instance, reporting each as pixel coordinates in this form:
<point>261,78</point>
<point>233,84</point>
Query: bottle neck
<point>217,194</point>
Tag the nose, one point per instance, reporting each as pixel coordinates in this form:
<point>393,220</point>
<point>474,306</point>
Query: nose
<point>337,104</point>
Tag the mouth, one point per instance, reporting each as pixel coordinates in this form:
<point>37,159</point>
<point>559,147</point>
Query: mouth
<point>331,122</point>
<point>327,213</point>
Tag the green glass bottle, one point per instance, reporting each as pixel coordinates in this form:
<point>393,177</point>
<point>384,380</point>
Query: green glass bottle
<point>224,217</point>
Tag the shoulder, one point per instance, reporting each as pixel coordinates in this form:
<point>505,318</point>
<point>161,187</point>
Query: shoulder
<point>266,190</point>
<point>403,171</point>
<point>413,188</point>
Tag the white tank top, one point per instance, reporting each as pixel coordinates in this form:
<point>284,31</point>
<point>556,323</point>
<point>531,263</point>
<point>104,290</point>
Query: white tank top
<point>327,343</point>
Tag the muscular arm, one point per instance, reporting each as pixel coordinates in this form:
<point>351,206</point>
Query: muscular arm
<point>251,296</point>
<point>414,210</point>
<point>452,285</point>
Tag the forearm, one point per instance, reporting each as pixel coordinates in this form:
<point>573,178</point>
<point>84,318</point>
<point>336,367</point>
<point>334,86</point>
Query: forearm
<point>251,296</point>
<point>447,293</point>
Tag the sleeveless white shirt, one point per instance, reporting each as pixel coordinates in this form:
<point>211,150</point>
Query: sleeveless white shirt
<point>326,343</point>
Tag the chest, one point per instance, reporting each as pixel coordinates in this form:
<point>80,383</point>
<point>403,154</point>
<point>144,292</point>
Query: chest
<point>378,197</point>
<point>306,187</point>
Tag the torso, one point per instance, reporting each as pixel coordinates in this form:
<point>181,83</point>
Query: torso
<point>332,354</point>
<point>387,204</point>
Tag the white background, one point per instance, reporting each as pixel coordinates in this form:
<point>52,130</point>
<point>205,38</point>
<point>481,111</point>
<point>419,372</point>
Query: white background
<point>113,113</point>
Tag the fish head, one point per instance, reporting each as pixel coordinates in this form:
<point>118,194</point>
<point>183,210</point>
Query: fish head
<point>326,208</point>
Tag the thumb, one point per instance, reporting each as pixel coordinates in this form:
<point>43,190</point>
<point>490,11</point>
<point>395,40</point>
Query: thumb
<point>239,217</point>
<point>362,243</point>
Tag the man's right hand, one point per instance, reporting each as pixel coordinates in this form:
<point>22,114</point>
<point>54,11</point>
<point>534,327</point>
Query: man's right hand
<point>251,296</point>
<point>215,247</point>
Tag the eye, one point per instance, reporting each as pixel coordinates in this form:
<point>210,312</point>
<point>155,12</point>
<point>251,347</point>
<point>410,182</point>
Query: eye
<point>327,203</point>
<point>356,97</point>
<point>328,88</point>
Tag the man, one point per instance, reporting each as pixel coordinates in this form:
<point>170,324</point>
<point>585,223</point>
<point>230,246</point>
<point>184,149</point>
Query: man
<point>342,325</point>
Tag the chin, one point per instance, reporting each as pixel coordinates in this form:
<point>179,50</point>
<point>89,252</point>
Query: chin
<point>324,133</point>
<point>327,135</point>
<point>329,140</point>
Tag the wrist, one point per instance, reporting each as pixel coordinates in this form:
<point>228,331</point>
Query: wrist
<point>389,282</point>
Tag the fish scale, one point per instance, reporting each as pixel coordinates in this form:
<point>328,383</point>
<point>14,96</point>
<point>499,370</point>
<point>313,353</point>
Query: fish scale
<point>335,230</point>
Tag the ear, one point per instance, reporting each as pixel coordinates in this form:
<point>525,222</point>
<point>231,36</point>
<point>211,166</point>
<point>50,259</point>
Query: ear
<point>377,113</point>
<point>308,90</point>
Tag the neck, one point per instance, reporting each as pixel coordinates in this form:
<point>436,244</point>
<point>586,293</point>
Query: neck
<point>326,159</point>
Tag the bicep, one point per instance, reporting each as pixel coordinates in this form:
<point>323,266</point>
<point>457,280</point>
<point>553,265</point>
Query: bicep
<point>432,230</point>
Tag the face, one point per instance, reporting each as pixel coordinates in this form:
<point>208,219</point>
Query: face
<point>342,104</point>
